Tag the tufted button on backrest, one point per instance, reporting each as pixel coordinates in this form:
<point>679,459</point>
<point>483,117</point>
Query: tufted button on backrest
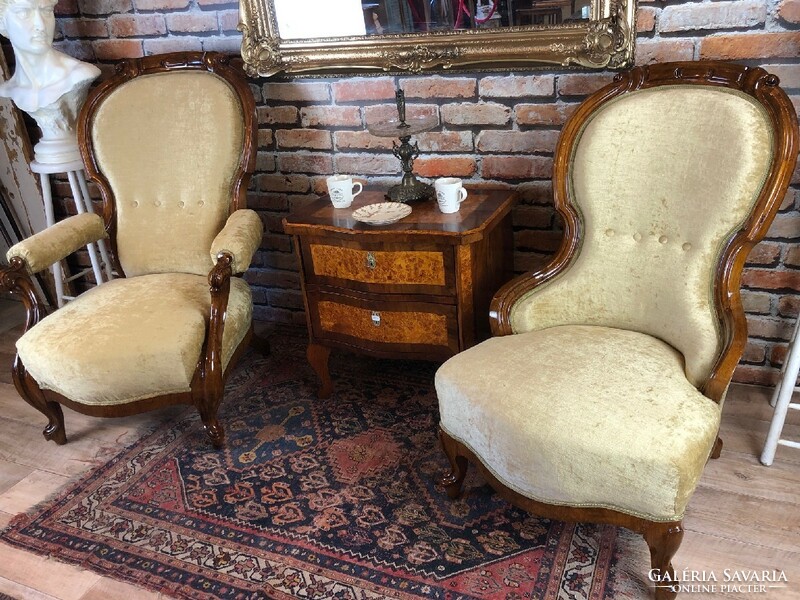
<point>673,171</point>
<point>169,145</point>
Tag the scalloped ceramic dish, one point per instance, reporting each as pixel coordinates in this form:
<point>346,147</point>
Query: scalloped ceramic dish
<point>382,213</point>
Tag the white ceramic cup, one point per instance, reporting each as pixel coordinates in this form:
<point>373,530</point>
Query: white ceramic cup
<point>341,189</point>
<point>450,193</point>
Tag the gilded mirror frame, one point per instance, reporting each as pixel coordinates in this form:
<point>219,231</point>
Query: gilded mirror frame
<point>606,40</point>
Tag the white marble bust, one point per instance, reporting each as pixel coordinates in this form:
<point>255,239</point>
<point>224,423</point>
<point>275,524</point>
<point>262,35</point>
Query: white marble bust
<point>47,84</point>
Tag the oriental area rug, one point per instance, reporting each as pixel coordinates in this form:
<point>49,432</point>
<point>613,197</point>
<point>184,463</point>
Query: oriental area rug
<point>315,499</point>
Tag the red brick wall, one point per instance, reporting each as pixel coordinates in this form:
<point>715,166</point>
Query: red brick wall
<point>499,128</point>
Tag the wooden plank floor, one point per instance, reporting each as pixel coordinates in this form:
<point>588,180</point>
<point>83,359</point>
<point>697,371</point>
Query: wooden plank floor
<point>743,515</point>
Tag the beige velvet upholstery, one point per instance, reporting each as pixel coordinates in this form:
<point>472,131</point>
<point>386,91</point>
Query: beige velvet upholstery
<point>661,178</point>
<point>240,238</point>
<point>130,339</point>
<point>619,428</point>
<point>169,144</point>
<point>601,399</point>
<point>58,241</point>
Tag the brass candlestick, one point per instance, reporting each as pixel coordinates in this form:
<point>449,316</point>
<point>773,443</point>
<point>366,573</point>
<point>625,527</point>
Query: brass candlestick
<point>410,188</point>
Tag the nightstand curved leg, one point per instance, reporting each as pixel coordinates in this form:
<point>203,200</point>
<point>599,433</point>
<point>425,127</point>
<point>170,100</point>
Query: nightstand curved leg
<point>318,358</point>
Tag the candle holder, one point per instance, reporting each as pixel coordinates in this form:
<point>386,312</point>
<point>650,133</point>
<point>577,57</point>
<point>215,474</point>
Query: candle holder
<point>410,189</point>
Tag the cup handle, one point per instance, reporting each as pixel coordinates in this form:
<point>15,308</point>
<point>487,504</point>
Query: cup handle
<point>462,193</point>
<point>360,188</point>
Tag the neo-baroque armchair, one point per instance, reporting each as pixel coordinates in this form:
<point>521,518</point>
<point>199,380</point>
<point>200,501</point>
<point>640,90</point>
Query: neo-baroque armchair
<point>599,397</point>
<point>170,142</point>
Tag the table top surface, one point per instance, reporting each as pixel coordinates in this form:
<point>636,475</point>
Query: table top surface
<point>480,210</point>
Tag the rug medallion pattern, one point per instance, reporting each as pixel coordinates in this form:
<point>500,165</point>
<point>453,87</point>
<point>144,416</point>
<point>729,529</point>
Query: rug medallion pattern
<point>313,499</point>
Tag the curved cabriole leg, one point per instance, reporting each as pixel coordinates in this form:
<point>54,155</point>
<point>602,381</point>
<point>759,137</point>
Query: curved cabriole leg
<point>15,279</point>
<point>663,539</point>
<point>211,425</point>
<point>453,481</point>
<point>32,394</point>
<point>318,359</point>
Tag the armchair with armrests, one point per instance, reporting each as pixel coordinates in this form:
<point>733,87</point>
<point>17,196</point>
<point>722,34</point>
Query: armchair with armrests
<point>599,397</point>
<point>170,142</point>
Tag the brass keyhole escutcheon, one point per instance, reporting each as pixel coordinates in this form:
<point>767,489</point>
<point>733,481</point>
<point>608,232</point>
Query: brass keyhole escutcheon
<point>376,318</point>
<point>372,262</point>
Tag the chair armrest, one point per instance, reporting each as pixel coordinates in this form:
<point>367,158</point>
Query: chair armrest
<point>240,238</point>
<point>58,241</point>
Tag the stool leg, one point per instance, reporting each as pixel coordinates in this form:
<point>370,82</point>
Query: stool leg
<point>47,196</point>
<point>81,208</point>
<point>774,400</point>
<point>782,397</point>
<point>101,244</point>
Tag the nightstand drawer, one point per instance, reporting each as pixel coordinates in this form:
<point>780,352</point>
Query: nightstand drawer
<point>419,288</point>
<point>384,325</point>
<point>421,270</point>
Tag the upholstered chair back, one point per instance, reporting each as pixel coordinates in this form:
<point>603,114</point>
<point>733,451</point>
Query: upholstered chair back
<point>169,145</point>
<point>661,179</point>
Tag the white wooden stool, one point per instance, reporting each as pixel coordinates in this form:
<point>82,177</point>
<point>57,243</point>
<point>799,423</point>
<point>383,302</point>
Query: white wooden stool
<point>782,400</point>
<point>83,203</point>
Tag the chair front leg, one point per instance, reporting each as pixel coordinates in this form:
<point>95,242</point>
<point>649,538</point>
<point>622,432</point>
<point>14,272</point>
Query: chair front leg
<point>208,415</point>
<point>453,481</point>
<point>208,391</point>
<point>15,279</point>
<point>30,391</point>
<point>663,539</point>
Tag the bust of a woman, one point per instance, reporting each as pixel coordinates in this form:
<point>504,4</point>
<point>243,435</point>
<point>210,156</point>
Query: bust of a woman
<point>47,84</point>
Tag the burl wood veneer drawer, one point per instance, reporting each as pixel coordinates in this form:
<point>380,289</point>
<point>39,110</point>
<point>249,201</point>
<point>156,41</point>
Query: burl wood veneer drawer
<point>393,327</point>
<point>380,269</point>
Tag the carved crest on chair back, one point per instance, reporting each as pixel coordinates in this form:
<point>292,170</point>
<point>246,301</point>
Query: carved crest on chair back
<point>746,93</point>
<point>237,128</point>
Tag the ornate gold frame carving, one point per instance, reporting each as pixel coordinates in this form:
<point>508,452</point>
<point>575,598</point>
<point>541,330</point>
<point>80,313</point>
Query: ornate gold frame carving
<point>606,40</point>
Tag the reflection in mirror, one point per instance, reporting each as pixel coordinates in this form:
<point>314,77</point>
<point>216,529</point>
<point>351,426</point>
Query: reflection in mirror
<point>330,18</point>
<point>378,17</point>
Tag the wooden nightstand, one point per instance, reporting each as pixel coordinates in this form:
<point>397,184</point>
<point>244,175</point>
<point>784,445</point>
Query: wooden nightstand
<point>419,288</point>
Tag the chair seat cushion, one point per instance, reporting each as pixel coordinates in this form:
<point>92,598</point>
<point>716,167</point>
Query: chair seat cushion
<point>131,338</point>
<point>582,416</point>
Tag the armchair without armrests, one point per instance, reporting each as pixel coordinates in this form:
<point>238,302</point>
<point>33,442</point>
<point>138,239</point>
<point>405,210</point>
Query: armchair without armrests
<point>169,140</point>
<point>599,398</point>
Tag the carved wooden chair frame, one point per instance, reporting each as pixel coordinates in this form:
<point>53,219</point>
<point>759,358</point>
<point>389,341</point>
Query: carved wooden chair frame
<point>663,538</point>
<point>209,379</point>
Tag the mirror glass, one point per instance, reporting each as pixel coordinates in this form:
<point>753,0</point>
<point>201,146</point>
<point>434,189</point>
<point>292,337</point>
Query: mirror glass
<point>344,18</point>
<point>342,37</point>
